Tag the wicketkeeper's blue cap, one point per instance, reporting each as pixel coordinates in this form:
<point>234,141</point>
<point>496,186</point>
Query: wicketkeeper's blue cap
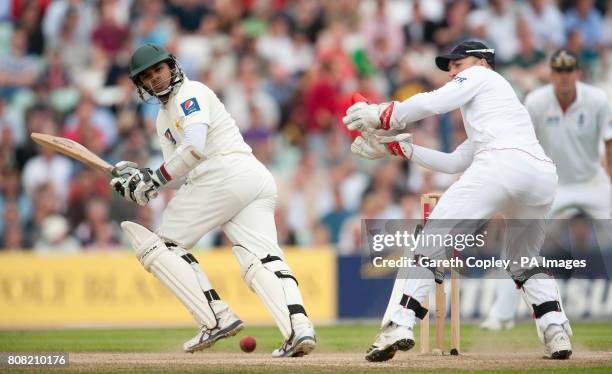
<point>465,49</point>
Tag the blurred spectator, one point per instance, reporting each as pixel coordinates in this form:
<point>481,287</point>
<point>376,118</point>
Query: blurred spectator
<point>246,92</point>
<point>7,148</point>
<point>334,219</point>
<point>281,87</point>
<point>350,234</point>
<point>78,15</point>
<point>48,167</point>
<point>97,231</point>
<point>36,120</point>
<point>276,46</point>
<point>453,28</point>
<point>420,29</point>
<point>134,147</point>
<point>286,236</point>
<point>46,202</point>
<point>187,14</point>
<point>529,68</point>
<point>546,23</point>
<point>153,25</point>
<point>69,39</point>
<point>91,77</point>
<point>496,24</point>
<point>308,18</point>
<point>383,37</point>
<point>587,19</point>
<point>259,137</point>
<point>55,237</point>
<point>92,126</point>
<point>300,198</point>
<point>411,206</point>
<point>606,29</point>
<point>13,238</point>
<point>320,236</point>
<point>55,75</point>
<point>30,21</point>
<point>12,194</point>
<point>321,97</point>
<point>20,69</point>
<point>87,185</point>
<point>11,119</point>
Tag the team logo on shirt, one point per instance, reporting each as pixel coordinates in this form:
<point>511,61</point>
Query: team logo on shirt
<point>459,79</point>
<point>581,120</point>
<point>189,106</point>
<point>552,120</point>
<point>169,136</point>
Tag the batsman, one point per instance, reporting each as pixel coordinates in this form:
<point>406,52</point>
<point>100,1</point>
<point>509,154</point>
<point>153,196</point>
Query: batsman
<point>220,184</point>
<point>505,170</point>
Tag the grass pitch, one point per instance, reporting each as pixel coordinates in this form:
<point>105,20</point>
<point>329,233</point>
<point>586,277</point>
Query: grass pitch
<point>340,349</point>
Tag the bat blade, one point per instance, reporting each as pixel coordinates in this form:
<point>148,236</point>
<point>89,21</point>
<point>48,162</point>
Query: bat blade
<point>73,150</point>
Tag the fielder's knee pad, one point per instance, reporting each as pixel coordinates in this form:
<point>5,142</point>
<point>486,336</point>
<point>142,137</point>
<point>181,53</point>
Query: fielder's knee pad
<point>266,277</point>
<point>173,270</point>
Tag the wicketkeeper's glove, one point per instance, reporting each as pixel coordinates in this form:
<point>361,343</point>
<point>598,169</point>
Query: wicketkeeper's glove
<point>362,116</point>
<point>373,146</point>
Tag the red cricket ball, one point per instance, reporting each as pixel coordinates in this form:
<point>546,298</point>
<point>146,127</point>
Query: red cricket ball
<point>248,344</point>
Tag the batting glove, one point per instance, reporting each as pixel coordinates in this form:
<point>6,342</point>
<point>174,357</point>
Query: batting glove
<point>140,187</point>
<point>361,116</point>
<point>125,169</point>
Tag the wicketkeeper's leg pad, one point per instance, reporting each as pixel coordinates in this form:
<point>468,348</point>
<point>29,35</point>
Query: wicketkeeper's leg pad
<point>174,270</point>
<point>271,279</point>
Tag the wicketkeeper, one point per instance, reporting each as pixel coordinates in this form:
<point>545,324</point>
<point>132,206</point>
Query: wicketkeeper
<point>220,183</point>
<point>504,170</point>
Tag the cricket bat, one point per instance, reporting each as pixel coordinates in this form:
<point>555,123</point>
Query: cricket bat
<point>73,150</point>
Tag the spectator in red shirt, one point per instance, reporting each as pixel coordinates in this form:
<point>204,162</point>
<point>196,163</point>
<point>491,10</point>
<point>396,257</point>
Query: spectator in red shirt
<point>109,34</point>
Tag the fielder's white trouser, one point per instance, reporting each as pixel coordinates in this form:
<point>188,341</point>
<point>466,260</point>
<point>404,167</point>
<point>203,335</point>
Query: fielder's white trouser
<point>592,197</point>
<point>508,181</point>
<point>237,193</point>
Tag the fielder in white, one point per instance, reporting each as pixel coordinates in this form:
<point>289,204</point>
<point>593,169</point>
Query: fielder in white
<point>571,122</point>
<point>220,183</point>
<point>505,170</point>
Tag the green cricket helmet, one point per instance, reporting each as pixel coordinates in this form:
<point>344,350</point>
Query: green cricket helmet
<point>150,55</point>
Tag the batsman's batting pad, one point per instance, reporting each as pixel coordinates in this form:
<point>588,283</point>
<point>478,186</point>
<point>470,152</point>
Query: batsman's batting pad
<point>173,271</point>
<point>271,279</point>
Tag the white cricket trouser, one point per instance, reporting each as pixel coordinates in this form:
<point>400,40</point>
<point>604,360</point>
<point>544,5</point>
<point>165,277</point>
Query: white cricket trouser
<point>593,197</point>
<point>235,192</point>
<point>508,181</point>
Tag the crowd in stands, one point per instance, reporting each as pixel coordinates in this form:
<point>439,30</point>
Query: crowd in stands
<point>285,69</point>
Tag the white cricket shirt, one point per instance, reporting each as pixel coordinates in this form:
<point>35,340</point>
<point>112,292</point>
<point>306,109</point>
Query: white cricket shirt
<point>493,116</point>
<point>194,102</point>
<point>574,139</point>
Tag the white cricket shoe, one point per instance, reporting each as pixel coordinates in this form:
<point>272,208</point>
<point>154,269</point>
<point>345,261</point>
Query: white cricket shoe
<point>391,338</point>
<point>228,324</point>
<point>494,324</point>
<point>302,342</point>
<point>557,342</point>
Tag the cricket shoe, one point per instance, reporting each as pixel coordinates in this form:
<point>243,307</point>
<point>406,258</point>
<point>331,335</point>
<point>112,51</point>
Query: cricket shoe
<point>557,341</point>
<point>494,324</point>
<point>301,342</point>
<point>391,339</point>
<point>228,324</point>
